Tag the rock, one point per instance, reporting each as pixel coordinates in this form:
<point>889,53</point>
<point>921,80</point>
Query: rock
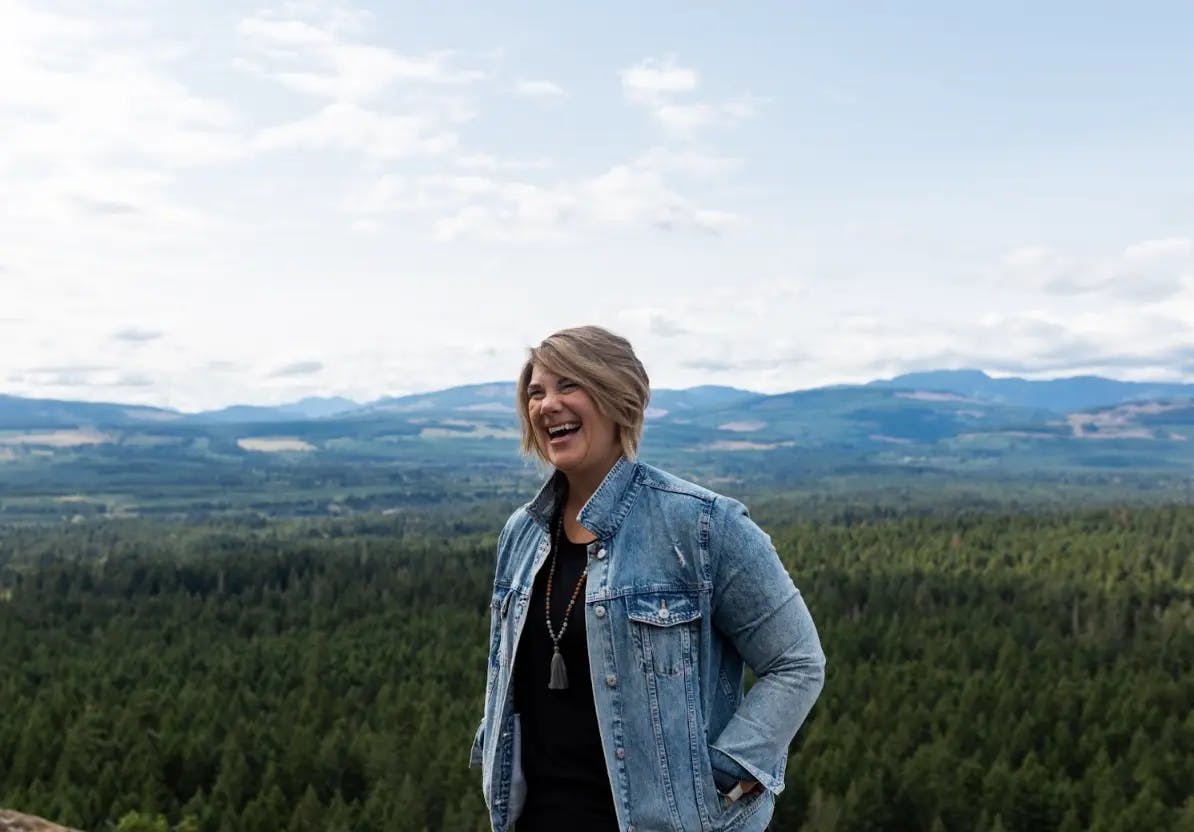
<point>16,822</point>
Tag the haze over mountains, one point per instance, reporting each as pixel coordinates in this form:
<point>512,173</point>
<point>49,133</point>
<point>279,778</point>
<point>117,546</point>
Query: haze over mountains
<point>63,458</point>
<point>954,412</point>
<point>1057,395</point>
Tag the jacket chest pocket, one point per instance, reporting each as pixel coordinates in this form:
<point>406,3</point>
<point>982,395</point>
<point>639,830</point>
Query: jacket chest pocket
<point>664,627</point>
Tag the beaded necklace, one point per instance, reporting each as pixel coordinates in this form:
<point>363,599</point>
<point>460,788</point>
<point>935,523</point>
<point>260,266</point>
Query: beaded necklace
<point>559,673</point>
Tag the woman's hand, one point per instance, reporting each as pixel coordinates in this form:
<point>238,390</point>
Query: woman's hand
<point>731,788</point>
<point>740,791</point>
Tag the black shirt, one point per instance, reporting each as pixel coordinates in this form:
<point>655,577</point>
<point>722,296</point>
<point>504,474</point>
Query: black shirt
<point>567,784</point>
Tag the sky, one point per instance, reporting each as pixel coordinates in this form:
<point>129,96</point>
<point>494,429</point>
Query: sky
<point>204,204</point>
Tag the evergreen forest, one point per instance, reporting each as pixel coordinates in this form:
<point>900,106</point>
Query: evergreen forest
<point>997,672</point>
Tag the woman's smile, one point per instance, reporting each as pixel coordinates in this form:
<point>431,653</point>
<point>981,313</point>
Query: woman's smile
<point>556,434</point>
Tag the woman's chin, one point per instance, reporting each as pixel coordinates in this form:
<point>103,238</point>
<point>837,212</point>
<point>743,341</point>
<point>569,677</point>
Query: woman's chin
<point>564,462</point>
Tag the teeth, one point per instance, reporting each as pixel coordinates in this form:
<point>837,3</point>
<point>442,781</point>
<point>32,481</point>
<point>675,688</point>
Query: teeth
<point>556,430</point>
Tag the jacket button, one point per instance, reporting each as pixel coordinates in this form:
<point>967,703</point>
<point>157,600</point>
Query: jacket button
<point>621,753</point>
<point>599,612</point>
<point>611,680</point>
<point>601,553</point>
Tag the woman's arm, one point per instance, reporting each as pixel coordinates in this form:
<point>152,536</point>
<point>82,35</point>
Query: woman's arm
<point>758,608</point>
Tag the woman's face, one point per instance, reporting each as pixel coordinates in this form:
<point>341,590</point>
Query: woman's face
<point>574,435</point>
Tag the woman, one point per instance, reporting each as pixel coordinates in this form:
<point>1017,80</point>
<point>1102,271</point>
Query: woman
<point>626,604</point>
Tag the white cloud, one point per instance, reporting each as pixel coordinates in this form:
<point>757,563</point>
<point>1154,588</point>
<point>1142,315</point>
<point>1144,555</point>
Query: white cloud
<point>689,162</point>
<point>638,196</point>
<point>1147,270</point>
<point>377,99</point>
<point>742,108</point>
<point>1151,250</point>
<point>66,78</point>
<point>486,161</point>
<point>385,194</point>
<point>128,203</point>
<point>659,322</point>
<point>659,84</point>
<point>789,332</point>
<point>346,126</point>
<point>542,90</point>
<point>333,15</point>
<point>653,79</point>
<point>624,196</point>
<point>1035,343</point>
<point>296,368</point>
<point>1036,267</point>
<point>136,335</point>
<point>685,118</point>
<point>101,128</point>
<point>497,204</point>
<point>318,61</point>
<point>858,348</point>
<point>485,206</point>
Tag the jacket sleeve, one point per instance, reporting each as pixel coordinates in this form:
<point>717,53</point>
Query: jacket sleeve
<point>475,754</point>
<point>474,757</point>
<point>758,608</point>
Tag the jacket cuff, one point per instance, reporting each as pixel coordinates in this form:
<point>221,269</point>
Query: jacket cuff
<point>725,763</point>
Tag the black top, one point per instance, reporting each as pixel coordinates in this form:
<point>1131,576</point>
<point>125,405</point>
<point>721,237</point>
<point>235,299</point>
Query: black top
<point>567,784</point>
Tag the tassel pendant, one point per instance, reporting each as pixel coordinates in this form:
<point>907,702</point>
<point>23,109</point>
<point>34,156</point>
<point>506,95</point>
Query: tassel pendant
<point>559,673</point>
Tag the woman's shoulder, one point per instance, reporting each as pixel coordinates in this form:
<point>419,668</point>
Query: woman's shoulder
<point>665,481</point>
<point>518,520</point>
<point>727,514</point>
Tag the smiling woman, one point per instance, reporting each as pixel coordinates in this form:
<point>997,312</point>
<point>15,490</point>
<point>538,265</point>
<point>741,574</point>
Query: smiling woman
<point>627,604</point>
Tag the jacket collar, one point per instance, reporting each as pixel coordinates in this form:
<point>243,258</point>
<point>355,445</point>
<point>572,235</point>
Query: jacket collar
<point>604,511</point>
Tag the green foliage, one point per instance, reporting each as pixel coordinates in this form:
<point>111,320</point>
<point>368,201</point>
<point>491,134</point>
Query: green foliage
<point>139,822</point>
<point>1002,671</point>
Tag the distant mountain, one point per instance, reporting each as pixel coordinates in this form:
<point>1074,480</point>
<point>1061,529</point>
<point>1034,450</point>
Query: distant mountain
<point>319,407</point>
<point>313,407</point>
<point>498,398</point>
<point>493,397</point>
<point>1060,395</point>
<point>676,403</point>
<point>915,408</point>
<point>859,417</point>
<point>17,413</point>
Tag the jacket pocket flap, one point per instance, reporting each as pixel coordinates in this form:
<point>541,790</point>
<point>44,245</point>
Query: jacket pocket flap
<point>663,609</point>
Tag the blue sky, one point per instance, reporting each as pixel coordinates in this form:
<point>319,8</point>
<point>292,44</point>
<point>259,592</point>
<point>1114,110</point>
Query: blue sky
<point>260,202</point>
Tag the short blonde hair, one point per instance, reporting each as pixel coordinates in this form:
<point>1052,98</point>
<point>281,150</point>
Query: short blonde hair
<point>605,365</point>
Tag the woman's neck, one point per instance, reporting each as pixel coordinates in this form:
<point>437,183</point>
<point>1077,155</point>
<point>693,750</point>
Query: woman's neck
<point>582,486</point>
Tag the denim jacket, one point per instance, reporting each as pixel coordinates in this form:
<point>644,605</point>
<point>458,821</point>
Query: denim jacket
<point>683,592</point>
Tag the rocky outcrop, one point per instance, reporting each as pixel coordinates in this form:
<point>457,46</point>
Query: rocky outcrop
<point>16,822</point>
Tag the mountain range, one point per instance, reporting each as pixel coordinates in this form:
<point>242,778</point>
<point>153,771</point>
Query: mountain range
<point>963,425</point>
<point>1059,396</point>
<point>947,389</point>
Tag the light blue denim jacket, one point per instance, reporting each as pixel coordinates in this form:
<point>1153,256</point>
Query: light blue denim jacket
<point>683,591</point>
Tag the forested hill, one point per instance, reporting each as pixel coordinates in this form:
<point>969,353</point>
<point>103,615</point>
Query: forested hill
<point>1061,395</point>
<point>1009,672</point>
